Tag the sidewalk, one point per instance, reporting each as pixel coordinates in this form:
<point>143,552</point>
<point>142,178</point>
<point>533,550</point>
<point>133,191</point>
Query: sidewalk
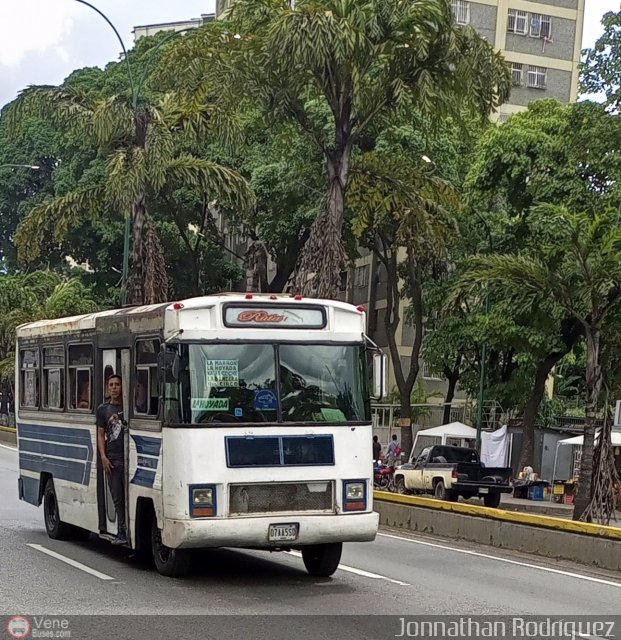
<point>539,507</point>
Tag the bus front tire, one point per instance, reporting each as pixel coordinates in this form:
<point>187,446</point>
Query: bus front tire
<point>173,563</point>
<point>56,529</point>
<point>322,560</point>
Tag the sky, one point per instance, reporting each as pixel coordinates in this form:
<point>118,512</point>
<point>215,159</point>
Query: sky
<point>43,41</point>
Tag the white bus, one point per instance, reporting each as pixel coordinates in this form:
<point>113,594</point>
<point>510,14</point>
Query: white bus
<point>248,425</point>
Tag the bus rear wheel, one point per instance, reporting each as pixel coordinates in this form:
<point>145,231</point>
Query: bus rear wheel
<point>173,563</point>
<point>56,529</point>
<point>322,560</point>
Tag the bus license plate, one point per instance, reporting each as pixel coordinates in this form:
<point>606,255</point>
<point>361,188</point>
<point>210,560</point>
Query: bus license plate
<point>283,532</point>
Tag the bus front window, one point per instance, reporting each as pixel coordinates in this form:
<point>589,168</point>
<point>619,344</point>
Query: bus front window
<point>232,383</point>
<point>322,383</point>
<point>268,383</point>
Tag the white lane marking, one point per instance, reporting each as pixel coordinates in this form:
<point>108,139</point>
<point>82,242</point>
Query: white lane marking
<point>73,563</point>
<point>528,565</point>
<point>6,446</point>
<point>361,572</point>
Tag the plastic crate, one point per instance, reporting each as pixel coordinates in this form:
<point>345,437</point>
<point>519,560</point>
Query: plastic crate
<point>536,492</point>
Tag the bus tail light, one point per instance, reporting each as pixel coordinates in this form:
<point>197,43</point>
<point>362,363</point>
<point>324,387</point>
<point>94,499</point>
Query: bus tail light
<point>354,495</point>
<point>202,501</point>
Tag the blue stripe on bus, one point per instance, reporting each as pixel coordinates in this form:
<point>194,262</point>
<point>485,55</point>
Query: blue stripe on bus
<point>71,470</point>
<point>147,463</point>
<point>64,452</point>
<point>144,477</point>
<point>147,446</point>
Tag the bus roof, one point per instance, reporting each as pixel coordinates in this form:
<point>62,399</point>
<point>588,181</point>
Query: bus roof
<point>91,321</point>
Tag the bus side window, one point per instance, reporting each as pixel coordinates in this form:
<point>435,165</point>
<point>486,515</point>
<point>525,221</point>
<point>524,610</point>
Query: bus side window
<point>146,389</point>
<point>54,377</point>
<point>80,376</point>
<point>29,378</point>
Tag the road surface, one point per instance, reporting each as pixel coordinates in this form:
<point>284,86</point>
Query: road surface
<point>398,575</point>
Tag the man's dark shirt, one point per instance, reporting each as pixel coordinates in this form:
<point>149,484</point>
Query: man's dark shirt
<point>110,418</point>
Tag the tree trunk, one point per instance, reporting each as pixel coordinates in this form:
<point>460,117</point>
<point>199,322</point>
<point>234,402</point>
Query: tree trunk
<point>544,367</point>
<point>319,271</point>
<point>148,279</point>
<point>450,394</point>
<point>593,384</point>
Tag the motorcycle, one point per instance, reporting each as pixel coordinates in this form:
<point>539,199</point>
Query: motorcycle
<point>383,477</point>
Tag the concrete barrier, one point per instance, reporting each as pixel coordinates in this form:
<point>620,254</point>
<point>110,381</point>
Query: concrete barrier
<point>585,547</point>
<point>8,436</point>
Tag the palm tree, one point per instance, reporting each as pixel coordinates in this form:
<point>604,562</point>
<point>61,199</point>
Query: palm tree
<point>576,264</point>
<point>138,143</point>
<point>340,69</point>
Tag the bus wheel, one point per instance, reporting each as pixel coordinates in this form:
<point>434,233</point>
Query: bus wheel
<point>56,529</point>
<point>173,563</point>
<point>322,560</point>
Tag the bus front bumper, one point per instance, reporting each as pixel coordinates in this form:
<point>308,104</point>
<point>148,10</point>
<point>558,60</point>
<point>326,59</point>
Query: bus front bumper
<point>254,532</point>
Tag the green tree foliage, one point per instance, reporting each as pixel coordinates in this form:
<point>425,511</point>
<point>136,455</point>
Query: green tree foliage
<point>366,62</point>
<point>139,150</point>
<point>576,264</point>
<point>564,155</point>
<point>35,296</point>
<point>601,67</point>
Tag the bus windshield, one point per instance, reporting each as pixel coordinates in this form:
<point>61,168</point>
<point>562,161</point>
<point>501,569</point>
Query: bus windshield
<point>271,383</point>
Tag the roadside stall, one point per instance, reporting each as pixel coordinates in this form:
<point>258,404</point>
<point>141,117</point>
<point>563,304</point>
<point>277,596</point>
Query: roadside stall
<point>563,490</point>
<point>455,434</point>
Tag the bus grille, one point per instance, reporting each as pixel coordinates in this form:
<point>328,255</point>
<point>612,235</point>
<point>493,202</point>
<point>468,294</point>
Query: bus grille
<point>278,497</point>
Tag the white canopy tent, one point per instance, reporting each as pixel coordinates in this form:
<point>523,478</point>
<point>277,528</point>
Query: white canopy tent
<point>455,433</point>
<point>577,441</point>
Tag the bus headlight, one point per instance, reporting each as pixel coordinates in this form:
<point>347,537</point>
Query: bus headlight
<point>354,495</point>
<point>202,501</point>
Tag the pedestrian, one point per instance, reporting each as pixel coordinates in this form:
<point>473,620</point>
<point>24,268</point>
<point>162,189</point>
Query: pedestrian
<point>377,450</point>
<point>110,441</point>
<point>4,408</point>
<point>394,450</point>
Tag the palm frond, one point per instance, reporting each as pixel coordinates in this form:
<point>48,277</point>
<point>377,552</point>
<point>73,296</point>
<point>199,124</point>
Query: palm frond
<point>64,107</point>
<point>216,181</point>
<point>57,215</point>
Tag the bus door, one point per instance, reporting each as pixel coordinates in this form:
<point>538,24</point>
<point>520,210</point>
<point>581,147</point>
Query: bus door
<point>114,361</point>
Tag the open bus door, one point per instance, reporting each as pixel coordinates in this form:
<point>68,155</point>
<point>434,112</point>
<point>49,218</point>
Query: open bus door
<point>113,362</point>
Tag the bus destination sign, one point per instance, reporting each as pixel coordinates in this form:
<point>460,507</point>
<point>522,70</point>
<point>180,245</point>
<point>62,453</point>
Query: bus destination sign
<point>276,317</point>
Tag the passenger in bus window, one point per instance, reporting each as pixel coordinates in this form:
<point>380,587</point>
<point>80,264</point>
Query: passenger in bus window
<point>84,400</point>
<point>110,422</point>
<point>141,394</point>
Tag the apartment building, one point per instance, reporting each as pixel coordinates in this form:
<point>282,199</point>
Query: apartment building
<point>541,40</point>
<point>141,31</point>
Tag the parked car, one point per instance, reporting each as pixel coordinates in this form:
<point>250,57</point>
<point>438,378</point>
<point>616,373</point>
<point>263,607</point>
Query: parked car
<point>449,472</point>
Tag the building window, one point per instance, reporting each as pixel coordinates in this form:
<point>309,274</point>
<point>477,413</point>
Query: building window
<point>540,26</point>
<point>146,392</point>
<point>429,374</point>
<point>516,74</point>
<point>80,363</point>
<point>537,77</point>
<point>461,11</point>
<point>29,372</point>
<point>518,22</point>
<point>54,377</point>
<point>362,276</point>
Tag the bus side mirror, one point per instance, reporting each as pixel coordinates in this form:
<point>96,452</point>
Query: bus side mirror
<point>168,366</point>
<point>380,376</point>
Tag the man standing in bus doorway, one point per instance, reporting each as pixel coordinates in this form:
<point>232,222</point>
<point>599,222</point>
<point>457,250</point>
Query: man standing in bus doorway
<point>110,421</point>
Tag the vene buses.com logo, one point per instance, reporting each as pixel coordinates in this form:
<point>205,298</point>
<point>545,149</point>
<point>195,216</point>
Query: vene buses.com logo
<point>18,627</point>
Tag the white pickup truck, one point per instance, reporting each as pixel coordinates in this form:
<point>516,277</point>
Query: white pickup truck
<point>449,472</point>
